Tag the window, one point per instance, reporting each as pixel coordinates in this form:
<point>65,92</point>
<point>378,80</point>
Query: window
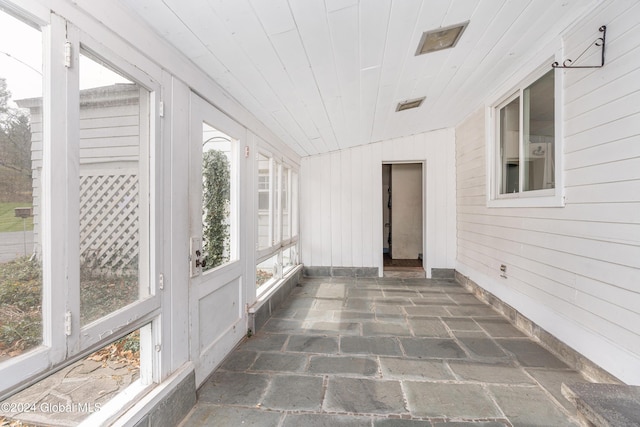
<point>277,228</point>
<point>21,213</point>
<point>113,208</point>
<point>264,201</point>
<point>525,146</point>
<point>219,200</point>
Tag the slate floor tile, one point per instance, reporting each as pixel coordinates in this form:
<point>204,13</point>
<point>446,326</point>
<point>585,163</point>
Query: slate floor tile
<point>312,344</point>
<point>295,393</point>
<point>425,311</point>
<point>552,379</point>
<point>214,415</point>
<point>233,388</point>
<point>401,368</point>
<point>365,366</point>
<point>264,342</point>
<point>440,348</point>
<point>366,396</point>
<point>461,324</point>
<point>499,328</point>
<point>280,362</point>
<point>384,346</point>
<point>529,406</point>
<point>489,373</point>
<point>469,401</point>
<point>325,420</point>
<point>240,361</point>
<point>428,327</point>
<point>531,354</point>
<point>385,329</point>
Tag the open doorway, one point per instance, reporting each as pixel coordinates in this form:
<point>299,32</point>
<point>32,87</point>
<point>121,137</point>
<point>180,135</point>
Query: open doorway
<point>402,212</point>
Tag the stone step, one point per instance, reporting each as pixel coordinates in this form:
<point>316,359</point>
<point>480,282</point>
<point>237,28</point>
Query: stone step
<point>607,405</point>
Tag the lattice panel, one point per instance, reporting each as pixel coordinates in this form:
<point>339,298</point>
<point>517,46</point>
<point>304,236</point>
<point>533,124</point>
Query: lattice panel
<point>109,222</point>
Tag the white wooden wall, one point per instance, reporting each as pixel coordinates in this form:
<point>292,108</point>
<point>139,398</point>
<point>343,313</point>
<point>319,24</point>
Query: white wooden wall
<point>574,270</point>
<point>341,201</point>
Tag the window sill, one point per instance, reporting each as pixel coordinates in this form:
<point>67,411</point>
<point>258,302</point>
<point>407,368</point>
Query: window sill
<point>524,200</point>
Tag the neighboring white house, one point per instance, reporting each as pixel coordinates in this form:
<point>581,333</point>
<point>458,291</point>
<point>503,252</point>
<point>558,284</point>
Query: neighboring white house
<point>110,121</point>
<point>530,174</point>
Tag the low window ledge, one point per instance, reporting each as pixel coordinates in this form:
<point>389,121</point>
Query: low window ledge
<point>524,200</point>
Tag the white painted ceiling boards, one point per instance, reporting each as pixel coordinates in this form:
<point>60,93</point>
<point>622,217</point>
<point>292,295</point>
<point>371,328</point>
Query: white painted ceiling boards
<point>325,75</point>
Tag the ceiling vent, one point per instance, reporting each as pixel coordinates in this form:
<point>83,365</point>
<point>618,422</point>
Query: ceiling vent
<point>442,38</point>
<point>412,103</point>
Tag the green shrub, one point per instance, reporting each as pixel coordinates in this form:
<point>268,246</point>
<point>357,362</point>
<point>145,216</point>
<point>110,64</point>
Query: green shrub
<point>217,192</point>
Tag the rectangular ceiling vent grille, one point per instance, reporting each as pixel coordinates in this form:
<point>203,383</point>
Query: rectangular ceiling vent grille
<point>412,103</point>
<point>442,38</point>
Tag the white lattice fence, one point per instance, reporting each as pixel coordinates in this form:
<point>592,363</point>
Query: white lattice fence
<point>109,221</point>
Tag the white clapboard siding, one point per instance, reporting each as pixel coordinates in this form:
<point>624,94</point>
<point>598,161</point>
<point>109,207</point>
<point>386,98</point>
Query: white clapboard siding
<point>341,209</point>
<point>573,270</point>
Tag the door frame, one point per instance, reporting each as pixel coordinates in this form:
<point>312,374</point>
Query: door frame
<point>228,280</point>
<point>423,164</point>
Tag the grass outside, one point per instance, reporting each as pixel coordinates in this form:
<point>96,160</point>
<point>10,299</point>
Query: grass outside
<point>8,220</point>
<point>21,302</point>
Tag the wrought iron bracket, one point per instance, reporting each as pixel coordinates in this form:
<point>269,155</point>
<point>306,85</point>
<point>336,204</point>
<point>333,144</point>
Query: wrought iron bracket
<point>600,42</point>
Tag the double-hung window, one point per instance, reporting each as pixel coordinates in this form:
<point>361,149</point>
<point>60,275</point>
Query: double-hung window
<point>525,143</point>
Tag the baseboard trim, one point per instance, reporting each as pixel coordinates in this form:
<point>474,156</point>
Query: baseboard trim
<point>567,354</point>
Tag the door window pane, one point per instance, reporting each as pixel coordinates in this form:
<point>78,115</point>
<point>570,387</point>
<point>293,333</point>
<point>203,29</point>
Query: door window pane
<point>510,146</point>
<point>218,197</point>
<point>21,213</point>
<point>114,117</point>
<point>539,134</point>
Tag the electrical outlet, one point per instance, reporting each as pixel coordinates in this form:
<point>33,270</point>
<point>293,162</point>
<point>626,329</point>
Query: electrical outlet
<point>503,271</point>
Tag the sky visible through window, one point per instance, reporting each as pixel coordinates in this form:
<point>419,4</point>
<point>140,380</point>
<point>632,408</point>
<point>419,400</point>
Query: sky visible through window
<point>21,61</point>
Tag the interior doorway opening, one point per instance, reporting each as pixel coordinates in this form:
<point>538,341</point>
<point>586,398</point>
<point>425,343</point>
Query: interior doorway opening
<point>402,213</point>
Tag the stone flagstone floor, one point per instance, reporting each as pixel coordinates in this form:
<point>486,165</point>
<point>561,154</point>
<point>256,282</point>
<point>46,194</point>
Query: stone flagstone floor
<point>383,353</point>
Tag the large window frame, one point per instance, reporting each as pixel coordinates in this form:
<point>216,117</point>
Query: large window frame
<point>281,255</point>
<point>499,193</point>
<point>64,339</point>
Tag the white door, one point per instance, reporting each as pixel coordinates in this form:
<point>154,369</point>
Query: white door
<point>217,315</point>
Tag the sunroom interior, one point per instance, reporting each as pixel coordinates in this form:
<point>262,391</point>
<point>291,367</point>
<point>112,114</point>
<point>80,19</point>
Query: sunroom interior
<point>171,170</point>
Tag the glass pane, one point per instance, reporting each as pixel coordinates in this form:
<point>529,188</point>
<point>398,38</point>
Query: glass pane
<point>539,134</point>
<point>267,271</point>
<point>21,214</point>
<point>510,146</point>
<point>218,207</point>
<point>69,396</point>
<point>294,204</point>
<point>284,203</point>
<point>113,210</point>
<point>289,258</point>
<point>264,202</point>
<point>277,220</point>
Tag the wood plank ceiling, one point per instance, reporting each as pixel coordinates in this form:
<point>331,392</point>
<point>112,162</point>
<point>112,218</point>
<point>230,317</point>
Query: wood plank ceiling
<point>325,75</point>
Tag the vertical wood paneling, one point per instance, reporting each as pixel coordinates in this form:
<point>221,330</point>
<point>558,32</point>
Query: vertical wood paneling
<point>367,170</point>
<point>324,194</point>
<point>376,206</point>
<point>357,213</point>
<point>572,270</point>
<point>336,208</point>
<point>345,218</point>
<point>347,230</point>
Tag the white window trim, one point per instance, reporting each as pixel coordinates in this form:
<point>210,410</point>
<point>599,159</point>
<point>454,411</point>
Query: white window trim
<point>536,198</point>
